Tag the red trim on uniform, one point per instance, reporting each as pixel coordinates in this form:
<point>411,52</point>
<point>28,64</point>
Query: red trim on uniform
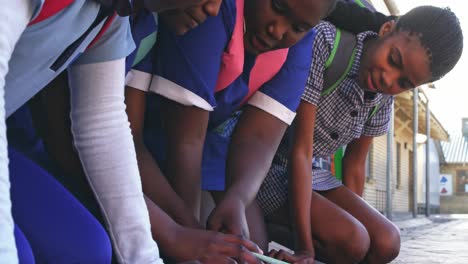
<point>103,30</point>
<point>271,60</point>
<point>50,8</point>
<point>266,66</point>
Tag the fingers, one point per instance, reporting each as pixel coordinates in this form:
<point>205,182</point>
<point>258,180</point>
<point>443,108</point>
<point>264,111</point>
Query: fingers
<point>236,247</point>
<point>217,259</point>
<point>251,246</point>
<point>248,257</point>
<point>272,253</point>
<point>214,223</point>
<point>290,258</point>
<point>282,255</point>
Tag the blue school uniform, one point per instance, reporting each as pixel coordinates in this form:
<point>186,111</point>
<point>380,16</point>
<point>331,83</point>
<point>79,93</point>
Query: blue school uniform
<point>144,32</point>
<point>185,69</point>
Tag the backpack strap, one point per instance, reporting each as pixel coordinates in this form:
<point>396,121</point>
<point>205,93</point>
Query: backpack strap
<point>340,61</point>
<point>378,106</point>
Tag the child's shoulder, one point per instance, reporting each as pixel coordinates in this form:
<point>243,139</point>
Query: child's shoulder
<point>325,35</point>
<point>326,30</point>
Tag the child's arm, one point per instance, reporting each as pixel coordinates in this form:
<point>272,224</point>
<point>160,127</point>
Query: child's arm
<point>354,161</point>
<point>186,129</point>
<point>354,164</point>
<point>104,143</point>
<point>16,15</point>
<point>257,136</point>
<point>252,147</point>
<point>300,180</point>
<point>184,244</point>
<point>155,185</point>
<point>351,17</point>
<point>187,79</point>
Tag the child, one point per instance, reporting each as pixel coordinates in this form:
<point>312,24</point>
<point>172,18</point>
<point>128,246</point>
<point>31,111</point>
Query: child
<point>40,39</point>
<point>201,79</point>
<point>333,221</point>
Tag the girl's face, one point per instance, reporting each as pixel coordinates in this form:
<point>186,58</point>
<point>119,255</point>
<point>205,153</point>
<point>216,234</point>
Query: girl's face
<point>394,63</point>
<point>182,20</point>
<point>197,10</point>
<point>276,24</point>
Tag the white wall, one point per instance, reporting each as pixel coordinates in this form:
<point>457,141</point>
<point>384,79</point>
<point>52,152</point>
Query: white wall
<point>434,173</point>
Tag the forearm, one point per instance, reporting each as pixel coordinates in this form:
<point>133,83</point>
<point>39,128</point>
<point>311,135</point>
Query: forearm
<point>186,129</point>
<point>248,164</point>
<point>163,229</point>
<point>253,146</point>
<point>184,167</point>
<point>354,164</point>
<point>354,177</point>
<point>300,195</point>
<point>105,146</point>
<point>158,190</point>
<point>15,16</point>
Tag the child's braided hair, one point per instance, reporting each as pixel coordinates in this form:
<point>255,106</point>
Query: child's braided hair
<point>439,32</point>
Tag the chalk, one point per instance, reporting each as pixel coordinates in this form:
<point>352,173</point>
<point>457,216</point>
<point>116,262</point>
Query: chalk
<point>268,259</point>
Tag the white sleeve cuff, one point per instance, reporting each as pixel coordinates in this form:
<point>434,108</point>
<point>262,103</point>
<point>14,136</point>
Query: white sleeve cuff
<point>177,93</point>
<point>273,107</point>
<point>138,80</point>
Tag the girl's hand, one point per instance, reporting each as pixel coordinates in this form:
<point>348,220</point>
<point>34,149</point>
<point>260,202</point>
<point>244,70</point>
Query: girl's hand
<point>300,257</point>
<point>229,217</point>
<point>212,247</point>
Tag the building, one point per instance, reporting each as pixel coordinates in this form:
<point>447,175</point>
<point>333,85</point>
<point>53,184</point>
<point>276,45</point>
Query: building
<point>454,172</point>
<point>402,175</point>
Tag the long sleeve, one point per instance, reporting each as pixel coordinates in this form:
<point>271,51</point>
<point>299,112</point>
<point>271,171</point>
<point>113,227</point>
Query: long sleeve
<point>15,16</point>
<point>104,142</point>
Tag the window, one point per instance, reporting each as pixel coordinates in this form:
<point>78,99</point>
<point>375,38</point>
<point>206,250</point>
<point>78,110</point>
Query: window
<point>462,181</point>
<point>398,165</point>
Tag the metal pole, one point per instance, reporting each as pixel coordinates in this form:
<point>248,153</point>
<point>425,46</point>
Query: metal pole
<point>415,152</point>
<point>392,7</point>
<point>428,164</point>
<point>389,203</point>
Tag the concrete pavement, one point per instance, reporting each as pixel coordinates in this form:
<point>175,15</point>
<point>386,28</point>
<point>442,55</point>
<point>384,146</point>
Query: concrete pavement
<point>442,240</point>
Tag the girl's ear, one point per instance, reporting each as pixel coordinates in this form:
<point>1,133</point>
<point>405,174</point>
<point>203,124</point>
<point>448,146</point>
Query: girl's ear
<point>387,27</point>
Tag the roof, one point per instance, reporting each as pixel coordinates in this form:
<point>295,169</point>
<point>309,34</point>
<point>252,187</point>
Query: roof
<point>404,117</point>
<point>456,150</point>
